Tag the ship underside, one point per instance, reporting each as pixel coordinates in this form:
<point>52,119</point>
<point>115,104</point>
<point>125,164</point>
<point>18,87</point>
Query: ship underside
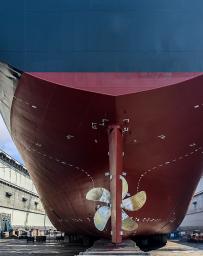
<point>61,129</point>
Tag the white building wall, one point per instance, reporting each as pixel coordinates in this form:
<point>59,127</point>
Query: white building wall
<point>48,222</point>
<point>200,186</point>
<point>19,184</point>
<point>16,177</point>
<point>194,216</point>
<point>36,220</point>
<point>20,218</point>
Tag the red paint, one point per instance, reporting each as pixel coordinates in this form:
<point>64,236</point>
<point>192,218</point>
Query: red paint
<point>115,83</point>
<point>115,166</point>
<point>65,170</point>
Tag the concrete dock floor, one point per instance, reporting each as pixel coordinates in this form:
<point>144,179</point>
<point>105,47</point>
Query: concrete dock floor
<point>20,247</point>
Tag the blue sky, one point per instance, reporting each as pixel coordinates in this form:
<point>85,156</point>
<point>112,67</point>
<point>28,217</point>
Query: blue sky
<point>6,142</point>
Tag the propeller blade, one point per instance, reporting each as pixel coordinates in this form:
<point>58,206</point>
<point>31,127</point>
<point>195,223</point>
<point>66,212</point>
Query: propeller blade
<point>135,202</point>
<point>124,215</point>
<point>129,225</point>
<point>99,194</point>
<point>124,187</point>
<point>101,217</point>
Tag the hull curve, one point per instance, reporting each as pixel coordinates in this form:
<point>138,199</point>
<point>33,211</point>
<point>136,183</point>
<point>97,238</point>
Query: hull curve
<point>61,133</point>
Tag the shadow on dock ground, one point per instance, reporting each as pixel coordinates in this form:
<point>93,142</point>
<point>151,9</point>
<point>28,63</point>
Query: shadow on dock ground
<point>13,247</point>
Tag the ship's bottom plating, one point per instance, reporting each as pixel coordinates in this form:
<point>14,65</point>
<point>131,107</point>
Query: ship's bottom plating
<point>61,134</point>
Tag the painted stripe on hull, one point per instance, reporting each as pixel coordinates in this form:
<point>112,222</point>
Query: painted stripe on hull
<point>116,83</point>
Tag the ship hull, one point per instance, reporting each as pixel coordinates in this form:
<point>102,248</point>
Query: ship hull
<point>62,134</point>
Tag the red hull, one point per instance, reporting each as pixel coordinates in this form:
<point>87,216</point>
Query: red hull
<point>61,133</point>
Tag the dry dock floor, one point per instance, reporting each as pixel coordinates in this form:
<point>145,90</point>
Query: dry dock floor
<point>21,248</point>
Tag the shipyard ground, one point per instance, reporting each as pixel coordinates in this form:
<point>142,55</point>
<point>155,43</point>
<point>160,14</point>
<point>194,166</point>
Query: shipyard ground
<point>19,247</point>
